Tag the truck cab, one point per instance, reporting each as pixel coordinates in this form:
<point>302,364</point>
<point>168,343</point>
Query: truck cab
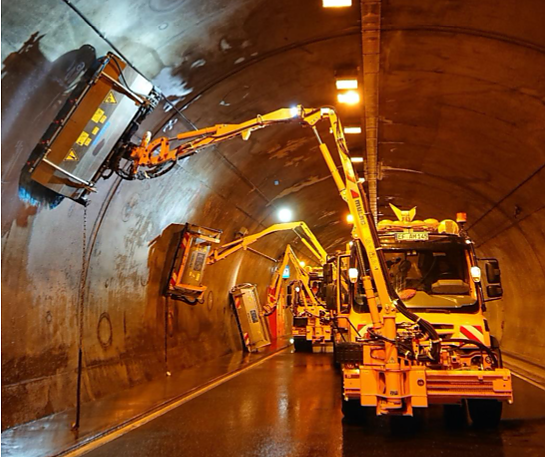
<point>435,272</point>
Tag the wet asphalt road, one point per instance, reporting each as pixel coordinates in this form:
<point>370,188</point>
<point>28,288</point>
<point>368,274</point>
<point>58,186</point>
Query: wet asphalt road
<point>290,406</point>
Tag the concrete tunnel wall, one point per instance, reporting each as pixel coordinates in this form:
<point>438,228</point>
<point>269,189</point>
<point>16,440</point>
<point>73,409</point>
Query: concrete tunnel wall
<point>225,64</point>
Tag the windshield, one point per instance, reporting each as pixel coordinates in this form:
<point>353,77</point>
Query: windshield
<point>426,278</point>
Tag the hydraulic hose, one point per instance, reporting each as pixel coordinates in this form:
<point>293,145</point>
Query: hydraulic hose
<point>400,306</point>
<point>483,347</point>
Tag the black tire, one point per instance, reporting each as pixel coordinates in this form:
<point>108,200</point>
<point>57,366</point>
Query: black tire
<point>352,410</point>
<point>495,346</point>
<point>302,345</point>
<point>485,413</point>
<point>336,364</point>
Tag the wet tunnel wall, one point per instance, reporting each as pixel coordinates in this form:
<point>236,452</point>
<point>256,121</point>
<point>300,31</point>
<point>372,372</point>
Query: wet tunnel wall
<point>462,121</point>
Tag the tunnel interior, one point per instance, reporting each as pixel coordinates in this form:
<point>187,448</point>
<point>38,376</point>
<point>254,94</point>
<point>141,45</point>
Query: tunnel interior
<point>452,116</point>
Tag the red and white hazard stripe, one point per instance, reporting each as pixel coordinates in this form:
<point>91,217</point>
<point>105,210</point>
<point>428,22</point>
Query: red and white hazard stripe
<point>237,303</point>
<point>247,340</point>
<point>472,332</point>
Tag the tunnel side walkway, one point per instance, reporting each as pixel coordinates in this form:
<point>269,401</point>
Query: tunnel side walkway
<point>52,435</point>
<point>290,406</point>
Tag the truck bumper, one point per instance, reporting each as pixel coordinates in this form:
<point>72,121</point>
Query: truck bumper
<point>421,387</point>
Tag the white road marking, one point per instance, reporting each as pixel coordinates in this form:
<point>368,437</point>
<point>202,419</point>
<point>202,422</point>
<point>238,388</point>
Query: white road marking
<point>134,424</point>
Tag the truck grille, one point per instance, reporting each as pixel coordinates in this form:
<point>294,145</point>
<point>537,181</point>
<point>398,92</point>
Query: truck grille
<point>492,384</point>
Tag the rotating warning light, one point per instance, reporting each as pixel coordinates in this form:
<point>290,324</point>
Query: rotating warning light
<point>461,218</point>
<point>285,215</point>
<point>350,97</point>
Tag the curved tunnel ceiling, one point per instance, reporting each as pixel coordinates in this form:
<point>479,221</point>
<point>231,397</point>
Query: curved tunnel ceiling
<point>461,127</point>
<point>461,93</point>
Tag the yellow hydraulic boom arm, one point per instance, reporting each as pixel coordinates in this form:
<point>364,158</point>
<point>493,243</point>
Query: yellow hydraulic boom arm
<point>157,152</point>
<point>300,228</point>
<point>151,154</point>
<point>275,288</point>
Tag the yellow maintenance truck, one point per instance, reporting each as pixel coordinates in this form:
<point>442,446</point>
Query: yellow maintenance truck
<point>432,267</point>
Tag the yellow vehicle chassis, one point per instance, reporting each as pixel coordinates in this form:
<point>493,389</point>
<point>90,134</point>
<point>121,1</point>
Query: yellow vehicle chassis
<point>421,386</point>
<point>314,331</point>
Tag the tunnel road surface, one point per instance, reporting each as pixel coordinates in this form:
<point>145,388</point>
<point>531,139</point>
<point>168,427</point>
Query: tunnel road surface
<point>290,406</point>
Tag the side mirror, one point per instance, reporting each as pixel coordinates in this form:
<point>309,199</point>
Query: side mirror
<point>493,274</point>
<point>328,273</point>
<point>289,296</point>
<point>494,291</point>
<point>331,297</point>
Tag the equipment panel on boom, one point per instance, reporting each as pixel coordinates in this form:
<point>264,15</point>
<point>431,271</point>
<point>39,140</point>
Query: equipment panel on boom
<point>104,109</point>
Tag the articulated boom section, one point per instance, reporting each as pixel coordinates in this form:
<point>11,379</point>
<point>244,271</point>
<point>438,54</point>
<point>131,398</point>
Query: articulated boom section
<point>298,290</point>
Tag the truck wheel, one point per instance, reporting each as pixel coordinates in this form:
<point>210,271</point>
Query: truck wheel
<point>336,363</point>
<point>352,410</point>
<point>485,413</point>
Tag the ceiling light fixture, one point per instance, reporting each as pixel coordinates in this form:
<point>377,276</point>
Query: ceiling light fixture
<point>352,130</point>
<point>336,3</point>
<point>346,83</point>
<point>285,215</point>
<point>350,97</point>
<point>356,159</point>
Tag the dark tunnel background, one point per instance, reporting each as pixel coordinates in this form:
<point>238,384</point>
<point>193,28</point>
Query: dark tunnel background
<point>461,127</point>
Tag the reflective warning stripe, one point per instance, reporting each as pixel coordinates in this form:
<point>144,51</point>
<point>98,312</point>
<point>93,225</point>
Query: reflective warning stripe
<point>472,332</point>
<point>247,340</point>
